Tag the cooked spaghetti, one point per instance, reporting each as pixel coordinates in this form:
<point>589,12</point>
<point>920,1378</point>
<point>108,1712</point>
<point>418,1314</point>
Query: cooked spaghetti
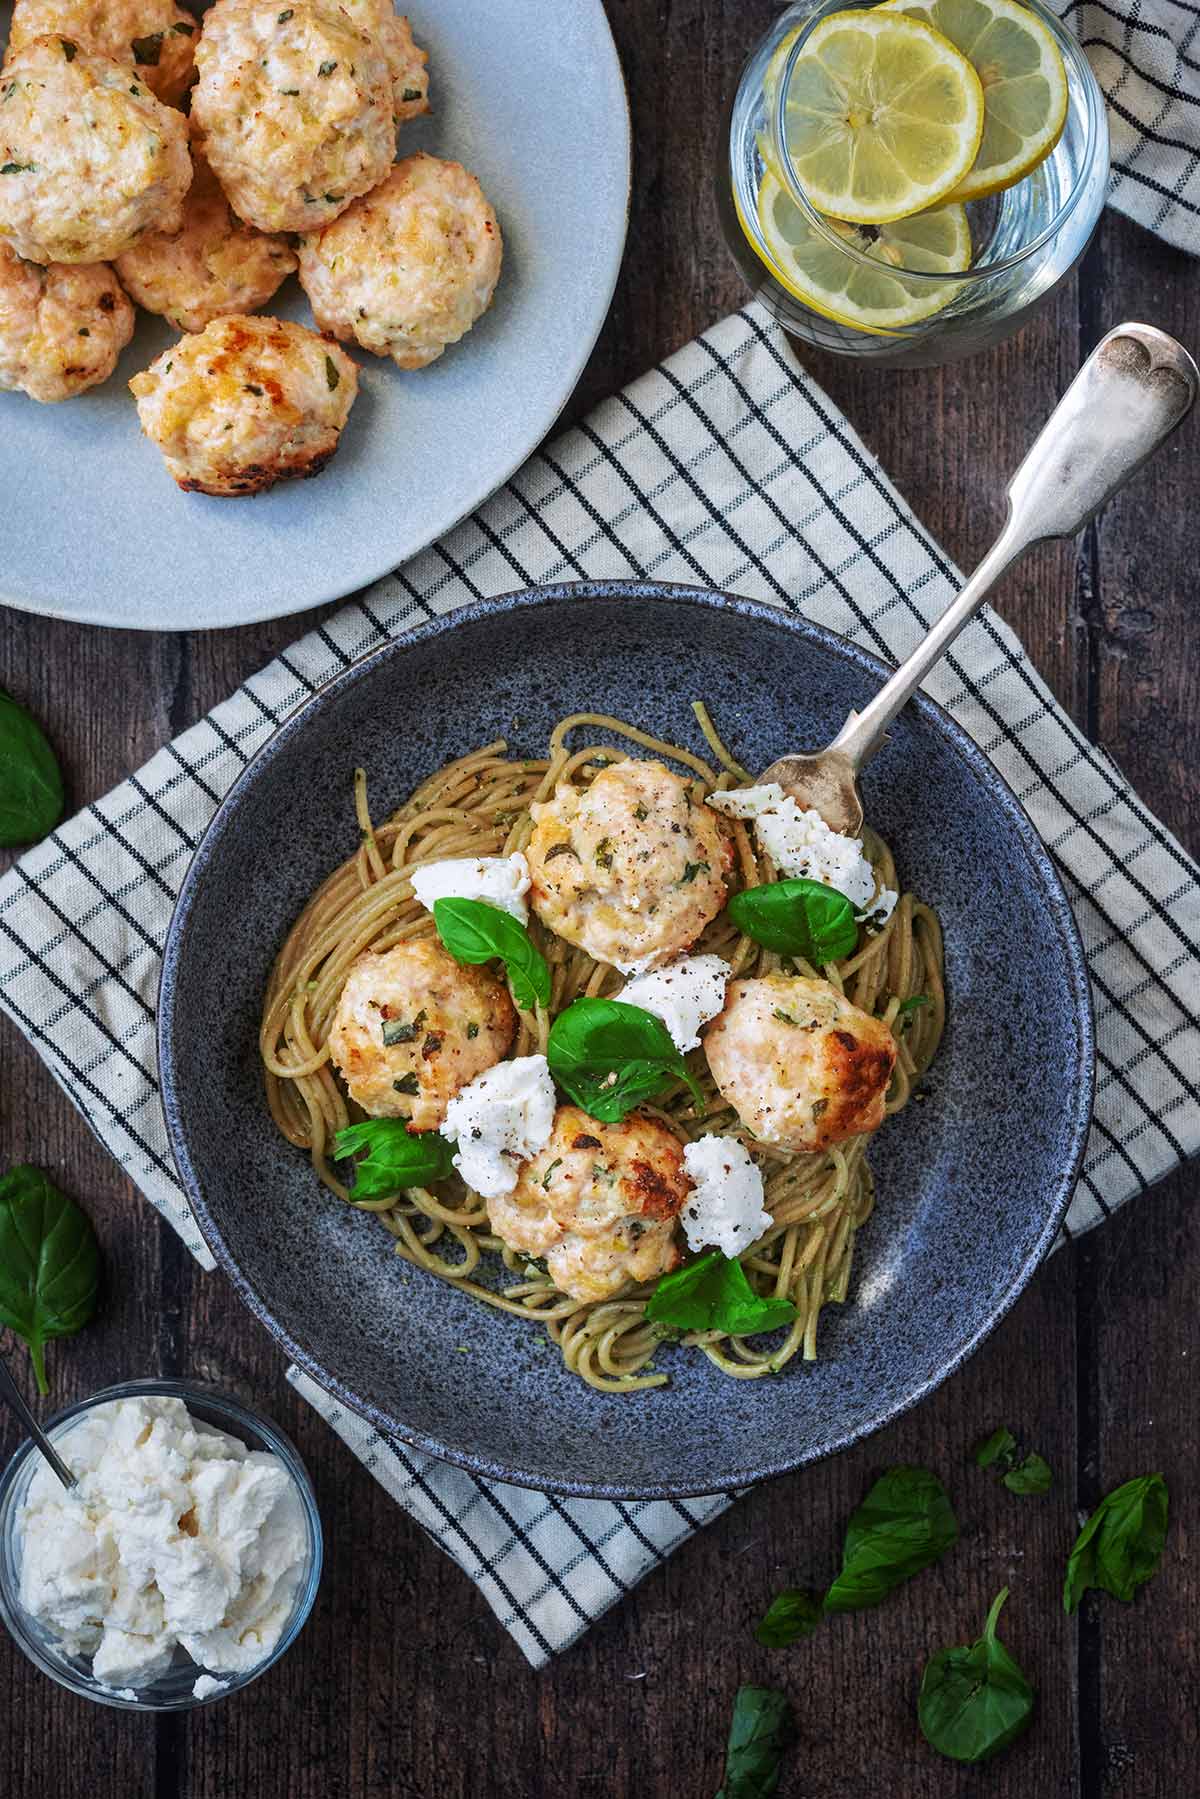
<point>478,806</point>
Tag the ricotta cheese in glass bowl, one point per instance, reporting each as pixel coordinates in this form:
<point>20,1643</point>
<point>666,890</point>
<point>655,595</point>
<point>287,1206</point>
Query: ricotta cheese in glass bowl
<point>181,1566</point>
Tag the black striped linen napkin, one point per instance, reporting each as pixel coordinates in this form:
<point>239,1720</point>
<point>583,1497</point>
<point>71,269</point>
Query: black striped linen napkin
<point>726,466</point>
<point>1146,57</point>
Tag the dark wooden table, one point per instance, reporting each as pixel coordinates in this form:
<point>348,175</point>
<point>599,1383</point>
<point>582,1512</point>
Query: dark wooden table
<point>402,1683</point>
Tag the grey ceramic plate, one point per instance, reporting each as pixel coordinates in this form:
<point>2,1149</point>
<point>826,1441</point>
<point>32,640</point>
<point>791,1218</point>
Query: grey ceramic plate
<point>528,93</point>
<point>972,1184</point>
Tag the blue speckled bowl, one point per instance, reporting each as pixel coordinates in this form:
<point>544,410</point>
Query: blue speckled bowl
<point>972,1185</point>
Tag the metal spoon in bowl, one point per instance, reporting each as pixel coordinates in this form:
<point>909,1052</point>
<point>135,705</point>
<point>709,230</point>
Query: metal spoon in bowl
<point>1134,389</point>
<point>12,1393</point>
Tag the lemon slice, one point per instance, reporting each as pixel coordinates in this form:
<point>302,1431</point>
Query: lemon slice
<point>883,116</point>
<point>874,297</point>
<point>775,67</point>
<point>1024,84</point>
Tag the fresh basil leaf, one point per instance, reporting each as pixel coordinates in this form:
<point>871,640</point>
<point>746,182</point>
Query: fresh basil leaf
<point>1120,1546</point>
<point>31,788</point>
<point>475,932</point>
<point>610,1057</point>
<point>759,1733</point>
<point>395,1158</point>
<point>912,1004</point>
<point>998,1447</point>
<point>49,1263</point>
<point>974,1699</point>
<point>903,1524</point>
<point>798,918</point>
<point>790,1615</point>
<point>713,1294</point>
<point>1030,1476</point>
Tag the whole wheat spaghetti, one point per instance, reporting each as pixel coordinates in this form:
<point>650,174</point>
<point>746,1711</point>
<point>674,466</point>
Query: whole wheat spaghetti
<point>479,806</point>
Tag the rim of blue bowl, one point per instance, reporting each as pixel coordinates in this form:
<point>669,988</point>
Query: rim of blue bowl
<point>1042,871</point>
<point>239,1420</point>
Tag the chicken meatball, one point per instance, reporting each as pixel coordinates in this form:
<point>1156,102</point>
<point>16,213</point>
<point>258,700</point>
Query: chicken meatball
<point>245,403</point>
<point>408,269</point>
<point>406,63</point>
<point>212,264</point>
<point>154,37</point>
<point>413,1027</point>
<point>89,159</point>
<point>803,1066</point>
<point>62,326</point>
<point>630,869</point>
<point>599,1203</point>
<point>295,108</point>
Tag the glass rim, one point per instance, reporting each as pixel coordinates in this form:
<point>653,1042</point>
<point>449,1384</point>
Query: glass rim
<point>1077,64</point>
<point>237,1417</point>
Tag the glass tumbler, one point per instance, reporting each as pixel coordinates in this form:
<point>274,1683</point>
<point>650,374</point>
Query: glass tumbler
<point>1024,241</point>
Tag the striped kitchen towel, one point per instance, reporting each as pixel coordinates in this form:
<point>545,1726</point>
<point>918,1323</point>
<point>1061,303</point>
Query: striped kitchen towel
<point>1146,57</point>
<point>726,466</point>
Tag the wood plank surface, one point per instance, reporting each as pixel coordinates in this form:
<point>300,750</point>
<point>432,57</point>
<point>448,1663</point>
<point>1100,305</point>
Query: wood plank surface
<point>403,1684</point>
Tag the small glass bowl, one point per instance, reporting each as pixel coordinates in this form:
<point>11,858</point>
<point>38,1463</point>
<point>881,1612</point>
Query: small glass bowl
<point>172,1691</point>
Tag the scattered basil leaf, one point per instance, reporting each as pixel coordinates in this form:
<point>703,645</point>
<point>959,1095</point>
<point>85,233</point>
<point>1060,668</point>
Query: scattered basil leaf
<point>326,69</point>
<point>31,788</point>
<point>609,1057</point>
<point>904,1523</point>
<point>713,1294</point>
<point>1030,1476</point>
<point>974,1699</point>
<point>475,932</point>
<point>411,93</point>
<point>1120,1546</point>
<point>1027,1474</point>
<point>395,1158</point>
<point>17,168</point>
<point>999,1446</point>
<point>407,1083</point>
<point>49,1263</point>
<point>798,918</point>
<point>912,1004</point>
<point>790,1615</point>
<point>332,377</point>
<point>759,1733</point>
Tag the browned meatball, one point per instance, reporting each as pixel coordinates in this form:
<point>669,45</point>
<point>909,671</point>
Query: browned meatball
<point>412,1027</point>
<point>599,1203</point>
<point>803,1066</point>
<point>631,869</point>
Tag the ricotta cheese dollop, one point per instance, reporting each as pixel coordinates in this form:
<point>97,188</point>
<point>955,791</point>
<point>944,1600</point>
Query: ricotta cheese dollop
<point>684,994</point>
<point>802,846</point>
<point>501,881</point>
<point>177,1536</point>
<point>498,1121</point>
<point>725,1208</point>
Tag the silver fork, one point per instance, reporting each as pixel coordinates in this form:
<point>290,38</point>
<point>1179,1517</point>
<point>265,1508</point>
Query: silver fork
<point>1131,393</point>
<point>10,1392</point>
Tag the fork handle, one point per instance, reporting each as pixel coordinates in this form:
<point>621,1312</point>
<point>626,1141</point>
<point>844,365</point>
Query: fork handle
<point>10,1393</point>
<point>1137,385</point>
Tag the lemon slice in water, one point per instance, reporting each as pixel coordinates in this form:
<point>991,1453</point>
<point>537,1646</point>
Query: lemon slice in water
<point>883,116</point>
<point>873,297</point>
<point>1024,84</point>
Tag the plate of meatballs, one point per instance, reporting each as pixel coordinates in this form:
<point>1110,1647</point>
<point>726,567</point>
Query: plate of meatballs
<point>248,245</point>
<point>577,1107</point>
